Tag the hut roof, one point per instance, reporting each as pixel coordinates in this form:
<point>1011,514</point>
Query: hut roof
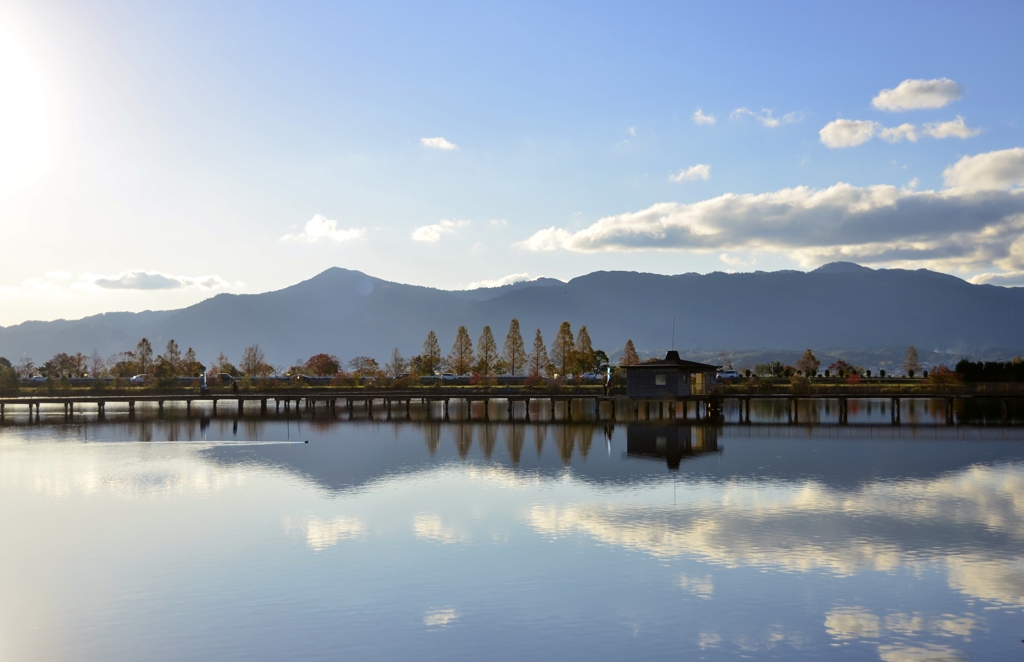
<point>672,360</point>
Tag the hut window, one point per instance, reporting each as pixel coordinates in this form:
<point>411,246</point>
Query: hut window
<point>659,380</point>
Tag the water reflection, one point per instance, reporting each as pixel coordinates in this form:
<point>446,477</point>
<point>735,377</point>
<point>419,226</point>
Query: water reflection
<point>712,540</point>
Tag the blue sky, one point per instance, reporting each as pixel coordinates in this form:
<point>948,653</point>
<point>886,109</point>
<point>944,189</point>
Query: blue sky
<point>154,154</point>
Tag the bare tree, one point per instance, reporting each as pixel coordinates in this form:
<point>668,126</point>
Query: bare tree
<point>26,367</point>
<point>144,356</point>
<point>460,359</point>
<point>254,362</point>
<point>911,363</point>
<point>96,364</point>
<point>396,366</point>
<point>514,350</point>
<point>172,356</point>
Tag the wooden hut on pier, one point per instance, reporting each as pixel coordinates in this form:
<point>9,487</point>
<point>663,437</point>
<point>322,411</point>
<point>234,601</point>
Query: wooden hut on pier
<point>669,378</point>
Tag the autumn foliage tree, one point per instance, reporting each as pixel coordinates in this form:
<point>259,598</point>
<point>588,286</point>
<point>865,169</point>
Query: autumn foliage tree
<point>562,349</point>
<point>486,352</point>
<point>514,350</point>
<point>538,362</point>
<point>629,355</point>
<point>322,365</point>
<point>429,361</point>
<point>460,359</point>
<point>584,356</point>
<point>808,363</point>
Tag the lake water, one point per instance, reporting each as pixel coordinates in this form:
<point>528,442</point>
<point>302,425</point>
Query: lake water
<point>216,538</point>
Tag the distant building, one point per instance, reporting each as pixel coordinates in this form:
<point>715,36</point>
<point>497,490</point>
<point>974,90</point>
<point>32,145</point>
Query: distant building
<point>669,378</point>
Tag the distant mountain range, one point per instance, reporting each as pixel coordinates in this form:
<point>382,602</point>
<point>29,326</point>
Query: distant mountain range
<point>840,306</point>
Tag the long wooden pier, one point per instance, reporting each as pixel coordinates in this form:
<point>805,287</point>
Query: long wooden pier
<point>573,403</point>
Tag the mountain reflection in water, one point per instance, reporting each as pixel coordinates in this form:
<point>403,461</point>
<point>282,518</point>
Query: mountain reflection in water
<point>510,540</point>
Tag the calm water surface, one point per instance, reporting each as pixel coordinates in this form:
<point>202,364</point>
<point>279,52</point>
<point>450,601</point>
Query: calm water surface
<point>221,539</point>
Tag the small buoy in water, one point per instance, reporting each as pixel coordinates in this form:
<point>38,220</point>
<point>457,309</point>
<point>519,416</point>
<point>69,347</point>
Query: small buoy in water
<point>306,441</point>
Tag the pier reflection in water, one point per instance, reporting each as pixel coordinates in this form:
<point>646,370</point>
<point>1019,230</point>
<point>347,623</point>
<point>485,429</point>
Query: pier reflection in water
<point>507,540</point>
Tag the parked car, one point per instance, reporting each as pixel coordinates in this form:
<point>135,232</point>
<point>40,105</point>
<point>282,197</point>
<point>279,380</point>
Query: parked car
<point>138,379</point>
<point>728,374</point>
<point>447,376</point>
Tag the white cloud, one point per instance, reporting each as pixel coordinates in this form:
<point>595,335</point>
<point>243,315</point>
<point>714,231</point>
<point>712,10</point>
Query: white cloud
<point>432,233</point>
<point>699,171</point>
<point>850,133</point>
<point>899,133</point>
<point>972,226</point>
<point>916,94</point>
<point>766,117</point>
<point>704,120</point>
<point>846,133</point>
<point>990,170</point>
<point>632,131</point>
<point>319,227</point>
<point>438,143</point>
<point>153,280</point>
<point>1005,279</point>
<point>953,129</point>
<point>499,282</point>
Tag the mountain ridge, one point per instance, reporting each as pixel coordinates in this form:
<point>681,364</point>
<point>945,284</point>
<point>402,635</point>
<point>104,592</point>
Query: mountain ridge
<point>349,313</point>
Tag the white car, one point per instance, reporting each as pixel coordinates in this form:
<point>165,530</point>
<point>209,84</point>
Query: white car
<point>139,379</point>
<point>728,374</point>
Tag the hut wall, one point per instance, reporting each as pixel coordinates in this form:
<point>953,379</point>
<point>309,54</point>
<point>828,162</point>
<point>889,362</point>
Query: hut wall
<point>642,383</point>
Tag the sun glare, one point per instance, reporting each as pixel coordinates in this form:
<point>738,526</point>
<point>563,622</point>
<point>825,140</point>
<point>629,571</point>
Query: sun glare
<point>24,125</point>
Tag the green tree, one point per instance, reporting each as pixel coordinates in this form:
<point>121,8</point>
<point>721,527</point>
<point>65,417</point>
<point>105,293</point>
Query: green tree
<point>538,363</point>
<point>629,355</point>
<point>486,352</point>
<point>562,349</point>
<point>165,373</point>
<point>911,363</point>
<point>430,359</point>
<point>144,356</point>
<point>514,350</point>
<point>8,378</point>
<point>122,365</point>
<point>585,358</point>
<point>190,365</point>
<point>808,363</point>
<point>460,359</point>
